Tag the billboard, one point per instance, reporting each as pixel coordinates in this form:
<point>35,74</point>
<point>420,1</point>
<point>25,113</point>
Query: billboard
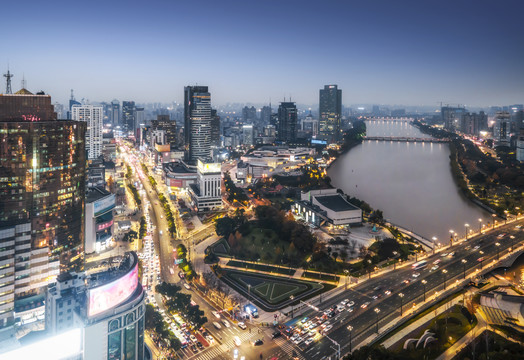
<point>104,205</point>
<point>110,295</point>
<point>318,142</point>
<point>105,225</point>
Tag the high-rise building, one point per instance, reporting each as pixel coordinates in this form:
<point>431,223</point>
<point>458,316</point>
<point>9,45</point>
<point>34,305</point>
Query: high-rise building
<point>206,193</point>
<point>140,117</point>
<point>163,132</point>
<point>215,128</point>
<point>248,135</point>
<point>197,123</point>
<point>330,112</point>
<point>128,116</point>
<point>473,123</point>
<point>287,122</point>
<point>520,145</point>
<point>265,115</point>
<point>452,117</point>
<point>42,192</point>
<point>115,113</point>
<point>310,125</point>
<point>501,131</point>
<point>249,114</point>
<point>72,102</point>
<point>93,116</point>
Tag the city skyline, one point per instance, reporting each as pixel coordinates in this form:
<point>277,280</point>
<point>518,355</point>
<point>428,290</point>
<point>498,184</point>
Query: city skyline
<point>379,52</point>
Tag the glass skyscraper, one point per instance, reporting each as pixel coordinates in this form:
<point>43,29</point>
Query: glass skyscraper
<point>197,123</point>
<point>330,110</point>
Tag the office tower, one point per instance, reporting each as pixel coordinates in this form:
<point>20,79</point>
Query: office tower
<point>72,102</point>
<point>248,135</point>
<point>451,117</point>
<point>375,109</point>
<point>108,307</point>
<point>115,113</point>
<point>249,114</point>
<point>501,131</point>
<point>163,132</point>
<point>59,109</point>
<point>42,162</point>
<point>520,145</point>
<point>265,115</point>
<point>128,116</point>
<point>473,123</point>
<point>206,193</point>
<point>287,122</point>
<point>215,128</point>
<point>310,125</point>
<point>140,117</point>
<point>330,111</point>
<point>197,123</point>
<point>93,116</point>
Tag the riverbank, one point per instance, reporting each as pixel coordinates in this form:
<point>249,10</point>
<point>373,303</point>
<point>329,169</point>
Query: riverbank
<point>459,150</point>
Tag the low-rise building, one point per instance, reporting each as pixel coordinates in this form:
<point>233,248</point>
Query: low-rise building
<point>331,205</point>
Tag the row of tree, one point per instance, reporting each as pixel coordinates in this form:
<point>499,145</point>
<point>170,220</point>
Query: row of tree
<point>134,191</point>
<point>178,302</point>
<point>161,332</point>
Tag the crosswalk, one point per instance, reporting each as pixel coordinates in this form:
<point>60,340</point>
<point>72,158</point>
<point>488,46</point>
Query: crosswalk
<point>288,348</point>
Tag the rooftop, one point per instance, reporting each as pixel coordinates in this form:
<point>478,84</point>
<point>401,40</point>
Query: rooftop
<point>336,203</point>
<point>96,193</point>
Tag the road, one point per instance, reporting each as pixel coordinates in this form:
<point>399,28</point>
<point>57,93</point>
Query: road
<point>364,321</point>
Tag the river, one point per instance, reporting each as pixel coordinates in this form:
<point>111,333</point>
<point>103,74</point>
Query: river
<point>410,182</point>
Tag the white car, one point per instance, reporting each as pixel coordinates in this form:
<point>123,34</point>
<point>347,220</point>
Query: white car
<point>350,304</point>
<point>193,338</point>
<point>226,323</point>
<point>327,328</point>
<point>237,341</point>
<point>186,285</point>
<point>416,275</point>
<point>242,325</point>
<point>309,341</point>
<point>298,340</point>
<point>344,302</point>
<point>434,268</point>
<point>217,315</point>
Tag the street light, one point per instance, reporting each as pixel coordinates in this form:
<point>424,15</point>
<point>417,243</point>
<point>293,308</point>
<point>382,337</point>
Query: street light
<point>505,216</point>
<point>292,297</point>
<point>467,226</point>
<point>347,273</point>
<point>434,238</point>
<point>424,282</point>
<point>493,215</point>
<point>377,310</point>
<point>350,328</point>
<point>401,295</point>
<point>498,250</point>
<point>451,238</point>
<point>480,226</point>
<point>445,277</point>
<point>464,261</point>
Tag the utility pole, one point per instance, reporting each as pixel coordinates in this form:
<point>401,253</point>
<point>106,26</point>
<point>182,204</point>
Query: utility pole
<point>8,77</point>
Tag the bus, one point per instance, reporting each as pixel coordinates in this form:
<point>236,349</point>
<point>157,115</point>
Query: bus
<point>420,265</point>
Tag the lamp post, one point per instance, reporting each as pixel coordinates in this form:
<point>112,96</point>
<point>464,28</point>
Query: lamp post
<point>498,250</point>
<point>434,238</point>
<point>350,328</point>
<point>493,215</point>
<point>505,217</point>
<point>424,282</point>
<point>464,261</point>
<point>292,308</point>
<point>400,295</point>
<point>451,238</point>
<point>467,226</point>
<point>445,277</point>
<point>480,226</point>
<point>377,310</point>
<point>518,212</point>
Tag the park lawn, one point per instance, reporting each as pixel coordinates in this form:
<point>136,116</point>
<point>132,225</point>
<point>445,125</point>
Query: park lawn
<point>446,333</point>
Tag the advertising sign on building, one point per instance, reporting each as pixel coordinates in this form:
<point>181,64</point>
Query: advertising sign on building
<point>105,204</point>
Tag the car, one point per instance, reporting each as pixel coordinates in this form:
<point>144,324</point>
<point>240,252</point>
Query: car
<point>444,254</point>
<point>350,309</point>
<point>194,348</point>
<point>235,354</point>
<point>217,325</point>
<point>242,326</point>
<point>500,236</point>
<point>327,328</point>
<point>451,254</point>
<point>387,292</point>
<point>377,288</point>
<point>407,281</point>
<point>436,262</point>
<point>323,326</point>
<point>210,339</point>
<point>311,333</point>
<point>364,305</point>
<point>375,297</point>
<point>258,342</point>
<point>294,337</point>
<point>193,338</point>
<point>309,341</point>
<point>186,285</point>
<point>350,304</point>
<point>216,314</point>
<point>415,275</point>
<point>199,345</point>
<point>480,259</point>
<point>304,320</point>
<point>476,247</point>
<point>237,341</point>
<point>344,302</point>
<point>226,323</point>
<point>467,247</point>
<point>435,267</point>
<point>340,309</point>
<point>276,334</point>
<point>298,340</point>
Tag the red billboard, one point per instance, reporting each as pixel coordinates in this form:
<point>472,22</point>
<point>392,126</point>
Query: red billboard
<point>110,295</point>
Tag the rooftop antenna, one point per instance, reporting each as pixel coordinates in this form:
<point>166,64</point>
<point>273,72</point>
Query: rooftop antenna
<point>8,77</point>
<point>23,81</point>
<point>72,96</point>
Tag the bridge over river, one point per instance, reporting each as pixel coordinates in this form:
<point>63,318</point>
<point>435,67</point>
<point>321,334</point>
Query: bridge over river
<point>405,139</point>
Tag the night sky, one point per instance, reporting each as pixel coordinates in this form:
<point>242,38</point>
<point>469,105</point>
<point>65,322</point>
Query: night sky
<point>384,52</point>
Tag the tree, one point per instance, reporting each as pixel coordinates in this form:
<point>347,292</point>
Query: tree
<point>225,226</point>
<point>343,255</point>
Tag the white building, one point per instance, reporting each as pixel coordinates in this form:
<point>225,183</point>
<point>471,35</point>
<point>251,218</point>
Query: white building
<point>520,146</point>
<point>94,116</point>
<point>248,135</point>
<point>206,194</point>
<point>98,220</point>
<point>332,205</point>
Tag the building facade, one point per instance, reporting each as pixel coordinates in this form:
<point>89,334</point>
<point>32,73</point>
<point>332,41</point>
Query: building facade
<point>42,194</point>
<point>287,122</point>
<point>197,123</point>
<point>330,112</point>
<point>206,194</point>
<point>99,220</point>
<point>128,116</point>
<point>502,128</point>
<point>93,116</point>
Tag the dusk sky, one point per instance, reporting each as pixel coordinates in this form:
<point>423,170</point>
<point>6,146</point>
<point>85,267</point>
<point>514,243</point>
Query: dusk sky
<point>384,52</point>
